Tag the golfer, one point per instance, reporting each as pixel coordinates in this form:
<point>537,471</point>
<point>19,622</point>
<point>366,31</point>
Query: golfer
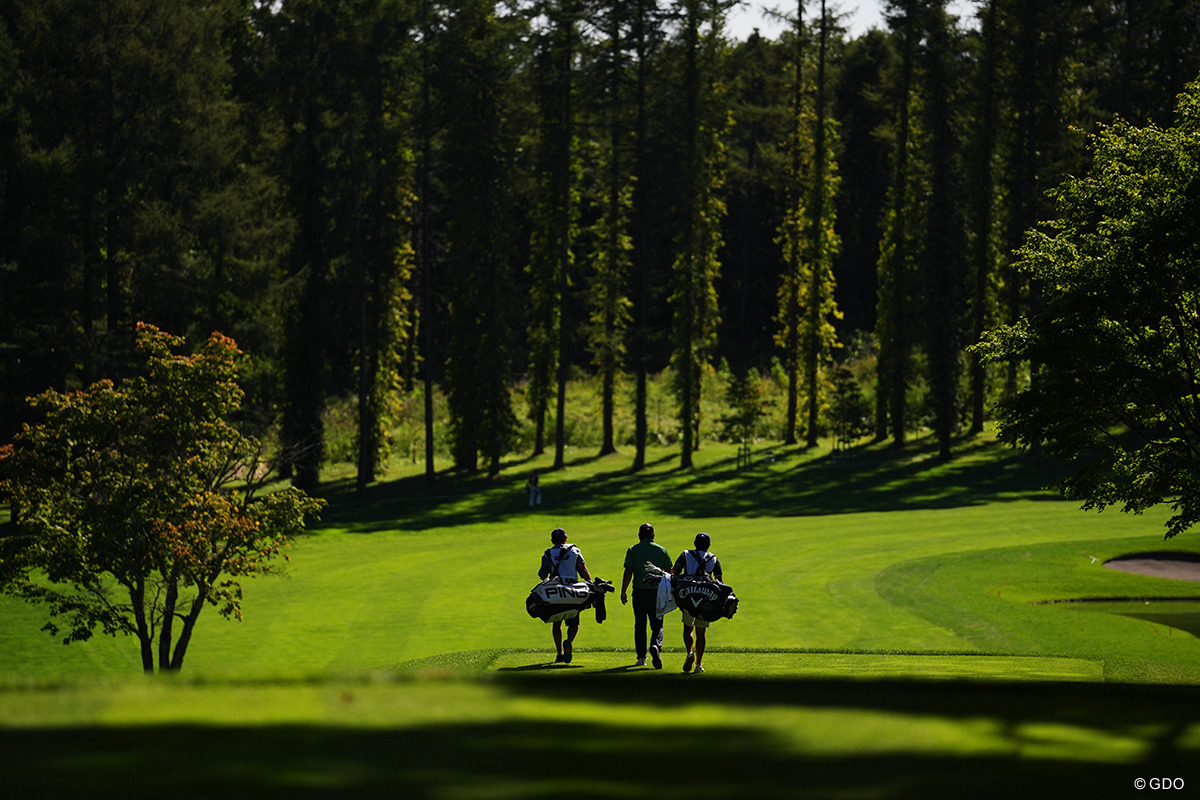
<point>645,593</point>
<point>698,563</point>
<point>535,491</point>
<point>564,562</point>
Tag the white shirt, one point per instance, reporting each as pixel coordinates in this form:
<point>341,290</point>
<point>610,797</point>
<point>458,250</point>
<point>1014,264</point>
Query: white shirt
<point>564,561</point>
<point>693,566</point>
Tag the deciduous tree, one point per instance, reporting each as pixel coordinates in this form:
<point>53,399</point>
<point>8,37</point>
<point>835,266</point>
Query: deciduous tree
<point>141,503</point>
<point>1118,339</point>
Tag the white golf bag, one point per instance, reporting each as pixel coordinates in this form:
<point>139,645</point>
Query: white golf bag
<point>553,600</point>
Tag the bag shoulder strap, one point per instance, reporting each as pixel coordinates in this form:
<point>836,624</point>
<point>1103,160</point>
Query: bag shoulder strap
<point>564,550</point>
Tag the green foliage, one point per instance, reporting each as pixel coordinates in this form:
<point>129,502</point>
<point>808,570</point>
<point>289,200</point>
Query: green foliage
<point>902,229</point>
<point>475,86</point>
<point>609,304</point>
<point>135,187</point>
<point>743,398</point>
<point>334,80</point>
<point>807,308</point>
<point>697,260</point>
<point>850,413</point>
<point>139,502</point>
<point>554,218</point>
<point>1117,347</point>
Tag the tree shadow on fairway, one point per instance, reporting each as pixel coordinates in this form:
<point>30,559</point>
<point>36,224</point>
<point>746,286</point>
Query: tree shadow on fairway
<point>555,756</point>
<point>876,478</point>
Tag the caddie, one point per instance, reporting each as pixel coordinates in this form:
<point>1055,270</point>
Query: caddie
<point>697,563</point>
<point>564,562</point>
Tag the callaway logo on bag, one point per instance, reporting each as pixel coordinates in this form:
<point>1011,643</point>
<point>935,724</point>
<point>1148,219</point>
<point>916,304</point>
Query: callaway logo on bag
<point>704,598</point>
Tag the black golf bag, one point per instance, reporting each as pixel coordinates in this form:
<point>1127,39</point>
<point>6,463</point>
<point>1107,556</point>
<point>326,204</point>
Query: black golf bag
<point>554,601</point>
<point>704,598</point>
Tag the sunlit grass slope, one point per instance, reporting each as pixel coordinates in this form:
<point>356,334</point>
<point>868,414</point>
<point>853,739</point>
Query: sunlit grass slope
<point>892,642</point>
<point>875,554</point>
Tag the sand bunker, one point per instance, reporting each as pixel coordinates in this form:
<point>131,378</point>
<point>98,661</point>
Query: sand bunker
<point>1176,566</point>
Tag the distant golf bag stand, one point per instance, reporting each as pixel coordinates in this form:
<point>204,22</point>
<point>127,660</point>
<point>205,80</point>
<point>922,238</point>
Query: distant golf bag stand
<point>554,601</point>
<point>704,598</point>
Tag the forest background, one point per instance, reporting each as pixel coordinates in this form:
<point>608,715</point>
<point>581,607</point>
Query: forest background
<point>392,202</point>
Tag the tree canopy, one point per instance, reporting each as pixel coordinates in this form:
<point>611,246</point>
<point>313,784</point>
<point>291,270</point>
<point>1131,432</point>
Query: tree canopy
<point>1115,347</point>
<point>140,502</point>
<point>497,196</point>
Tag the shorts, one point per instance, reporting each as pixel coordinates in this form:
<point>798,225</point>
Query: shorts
<point>571,622</point>
<point>691,622</point>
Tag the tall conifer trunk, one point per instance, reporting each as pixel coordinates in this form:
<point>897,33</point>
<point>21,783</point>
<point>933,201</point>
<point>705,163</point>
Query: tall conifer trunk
<point>944,275</point>
<point>982,191</point>
<point>816,299</point>
<point>641,233</point>
<point>425,252</point>
<point>891,396</point>
<point>564,132</point>
<point>791,300</point>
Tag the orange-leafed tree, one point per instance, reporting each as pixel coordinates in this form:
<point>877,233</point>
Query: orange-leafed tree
<point>140,503</point>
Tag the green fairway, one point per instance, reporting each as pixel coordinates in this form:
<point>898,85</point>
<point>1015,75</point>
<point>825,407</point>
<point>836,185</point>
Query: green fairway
<point>901,619</point>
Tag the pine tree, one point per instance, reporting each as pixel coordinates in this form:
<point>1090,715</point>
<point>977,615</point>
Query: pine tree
<point>425,252</point>
<point>338,71</point>
<point>894,317</point>
<point>1041,36</point>
<point>982,191</point>
<point>758,86</point>
<point>808,308</point>
<point>553,247</point>
<point>820,339</point>
<point>129,189</point>
<point>477,153</point>
<point>943,267</point>
<point>609,301</point>
<point>696,266</point>
<point>646,35</point>
<point>791,237</point>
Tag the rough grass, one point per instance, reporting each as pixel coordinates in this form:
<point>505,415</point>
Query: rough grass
<point>912,653</point>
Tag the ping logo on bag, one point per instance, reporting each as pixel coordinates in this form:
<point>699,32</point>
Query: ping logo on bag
<point>579,590</point>
<point>552,600</point>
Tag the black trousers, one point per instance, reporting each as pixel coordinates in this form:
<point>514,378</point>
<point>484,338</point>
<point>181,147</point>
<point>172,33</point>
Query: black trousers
<point>644,603</point>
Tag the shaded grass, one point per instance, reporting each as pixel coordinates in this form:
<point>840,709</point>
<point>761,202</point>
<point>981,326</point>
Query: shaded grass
<point>784,482</point>
<point>618,737</point>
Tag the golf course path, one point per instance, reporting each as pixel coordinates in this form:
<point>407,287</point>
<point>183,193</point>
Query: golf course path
<point>1176,566</point>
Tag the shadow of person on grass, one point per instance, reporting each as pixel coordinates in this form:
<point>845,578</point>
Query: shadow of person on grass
<point>540,667</point>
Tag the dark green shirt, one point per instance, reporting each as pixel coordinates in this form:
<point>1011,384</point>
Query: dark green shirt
<point>637,556</point>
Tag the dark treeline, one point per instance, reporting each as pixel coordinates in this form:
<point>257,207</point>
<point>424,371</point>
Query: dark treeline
<point>374,197</point>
